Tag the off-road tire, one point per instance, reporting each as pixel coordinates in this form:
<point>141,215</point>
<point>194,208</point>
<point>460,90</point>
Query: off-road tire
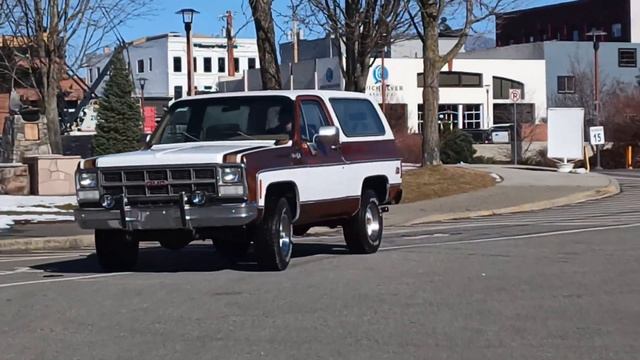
<point>363,232</point>
<point>117,250</point>
<point>272,253</point>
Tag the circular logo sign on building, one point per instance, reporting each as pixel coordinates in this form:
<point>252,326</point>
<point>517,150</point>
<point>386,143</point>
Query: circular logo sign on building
<point>380,74</point>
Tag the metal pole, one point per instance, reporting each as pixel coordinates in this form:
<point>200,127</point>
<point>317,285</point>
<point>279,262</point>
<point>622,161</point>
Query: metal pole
<point>142,101</point>
<point>294,37</point>
<point>515,135</point>
<point>190,92</point>
<point>596,94</point>
<point>384,83</point>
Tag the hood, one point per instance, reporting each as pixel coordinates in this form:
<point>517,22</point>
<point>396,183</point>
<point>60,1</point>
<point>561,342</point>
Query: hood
<point>183,153</point>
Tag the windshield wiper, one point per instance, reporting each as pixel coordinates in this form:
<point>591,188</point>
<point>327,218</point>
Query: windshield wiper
<point>245,135</point>
<point>189,136</point>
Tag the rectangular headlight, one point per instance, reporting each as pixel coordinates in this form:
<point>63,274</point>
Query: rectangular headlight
<point>231,175</point>
<point>87,180</point>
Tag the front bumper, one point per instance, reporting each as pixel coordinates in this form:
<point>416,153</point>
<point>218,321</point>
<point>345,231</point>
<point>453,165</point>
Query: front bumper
<point>167,217</point>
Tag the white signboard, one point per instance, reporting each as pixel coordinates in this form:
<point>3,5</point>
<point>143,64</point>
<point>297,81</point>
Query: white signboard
<point>500,137</point>
<point>565,133</point>
<point>596,135</point>
<point>515,95</point>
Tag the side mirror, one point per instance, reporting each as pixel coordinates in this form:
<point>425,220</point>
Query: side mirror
<point>329,137</point>
<point>147,139</point>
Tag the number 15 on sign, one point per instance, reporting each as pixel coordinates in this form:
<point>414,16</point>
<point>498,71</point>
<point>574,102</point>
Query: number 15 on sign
<point>596,135</point>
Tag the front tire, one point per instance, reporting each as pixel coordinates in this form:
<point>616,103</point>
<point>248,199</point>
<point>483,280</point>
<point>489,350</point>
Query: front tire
<point>117,250</point>
<point>363,232</point>
<point>273,241</point>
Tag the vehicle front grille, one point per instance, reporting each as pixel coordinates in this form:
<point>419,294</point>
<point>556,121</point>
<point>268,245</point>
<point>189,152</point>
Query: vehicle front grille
<point>148,184</point>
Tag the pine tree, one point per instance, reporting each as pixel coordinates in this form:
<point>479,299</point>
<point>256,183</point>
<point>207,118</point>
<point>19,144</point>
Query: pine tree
<point>119,121</point>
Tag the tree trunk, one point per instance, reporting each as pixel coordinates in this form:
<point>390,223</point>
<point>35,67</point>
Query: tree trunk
<point>51,111</point>
<point>430,94</point>
<point>267,53</point>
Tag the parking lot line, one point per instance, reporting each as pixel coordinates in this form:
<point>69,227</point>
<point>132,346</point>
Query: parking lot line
<point>84,277</point>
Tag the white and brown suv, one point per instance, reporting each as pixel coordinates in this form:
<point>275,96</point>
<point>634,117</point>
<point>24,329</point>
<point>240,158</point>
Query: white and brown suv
<point>246,168</point>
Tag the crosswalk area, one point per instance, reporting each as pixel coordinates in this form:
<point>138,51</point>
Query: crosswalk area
<point>623,208</point>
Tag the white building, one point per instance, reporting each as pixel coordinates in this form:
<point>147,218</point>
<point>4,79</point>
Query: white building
<point>162,60</point>
<point>473,92</point>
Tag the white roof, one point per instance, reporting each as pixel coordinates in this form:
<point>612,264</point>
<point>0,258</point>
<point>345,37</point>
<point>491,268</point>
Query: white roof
<point>288,93</point>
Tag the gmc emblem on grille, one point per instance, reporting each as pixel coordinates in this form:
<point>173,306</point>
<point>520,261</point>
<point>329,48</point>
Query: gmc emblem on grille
<point>156,183</point>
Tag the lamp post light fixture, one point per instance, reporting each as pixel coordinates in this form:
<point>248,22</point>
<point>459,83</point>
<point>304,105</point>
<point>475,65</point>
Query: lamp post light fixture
<point>142,81</point>
<point>187,19</point>
<point>596,34</point>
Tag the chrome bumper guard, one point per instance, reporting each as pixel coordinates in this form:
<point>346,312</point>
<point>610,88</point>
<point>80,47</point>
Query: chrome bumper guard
<point>180,216</point>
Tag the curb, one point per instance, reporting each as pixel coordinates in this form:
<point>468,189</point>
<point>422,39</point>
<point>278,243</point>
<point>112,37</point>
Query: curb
<point>49,243</point>
<point>612,189</point>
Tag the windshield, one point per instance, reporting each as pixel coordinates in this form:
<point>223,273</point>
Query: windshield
<point>228,118</point>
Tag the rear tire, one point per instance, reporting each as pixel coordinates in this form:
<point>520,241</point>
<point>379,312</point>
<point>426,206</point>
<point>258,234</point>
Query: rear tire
<point>273,241</point>
<point>117,250</point>
<point>363,232</point>
<point>232,244</point>
<point>174,244</point>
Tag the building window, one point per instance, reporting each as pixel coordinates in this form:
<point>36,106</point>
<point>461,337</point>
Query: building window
<point>98,73</point>
<point>207,65</point>
<point>455,79</point>
<point>566,84</point>
<point>150,64</point>
<point>140,66</point>
<point>195,64</point>
<point>420,119</point>
<point>177,64</point>
<point>616,31</point>
<point>236,64</point>
<point>208,87</point>
<point>177,92</point>
<point>627,58</point>
<point>251,63</point>
<point>448,116</point>
<point>221,67</point>
<point>501,87</point>
<point>472,117</point>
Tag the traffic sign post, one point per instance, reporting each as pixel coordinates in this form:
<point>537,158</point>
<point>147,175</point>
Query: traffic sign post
<point>515,95</point>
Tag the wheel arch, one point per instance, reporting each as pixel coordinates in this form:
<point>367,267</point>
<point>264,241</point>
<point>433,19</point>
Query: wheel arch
<point>288,190</point>
<point>379,184</point>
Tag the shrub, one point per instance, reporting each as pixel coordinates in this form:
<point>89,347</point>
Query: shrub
<point>456,146</point>
<point>484,160</point>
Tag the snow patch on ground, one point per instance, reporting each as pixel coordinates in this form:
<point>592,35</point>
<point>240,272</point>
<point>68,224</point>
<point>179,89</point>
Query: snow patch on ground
<point>7,221</point>
<point>12,203</point>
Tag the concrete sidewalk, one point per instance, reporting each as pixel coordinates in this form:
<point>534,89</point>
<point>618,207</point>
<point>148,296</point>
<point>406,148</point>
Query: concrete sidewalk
<point>523,189</point>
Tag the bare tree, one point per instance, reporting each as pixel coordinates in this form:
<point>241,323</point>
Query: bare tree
<point>57,34</point>
<point>364,27</point>
<point>426,18</point>
<point>266,37</point>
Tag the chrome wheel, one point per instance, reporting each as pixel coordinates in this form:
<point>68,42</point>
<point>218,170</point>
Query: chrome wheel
<point>372,220</point>
<point>285,235</point>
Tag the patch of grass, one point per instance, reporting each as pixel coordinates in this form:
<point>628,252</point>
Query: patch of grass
<point>440,181</point>
<point>63,207</point>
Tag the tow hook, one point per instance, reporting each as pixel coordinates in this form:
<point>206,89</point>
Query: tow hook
<point>384,209</point>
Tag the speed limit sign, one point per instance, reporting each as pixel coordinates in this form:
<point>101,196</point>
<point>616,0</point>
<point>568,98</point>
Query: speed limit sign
<point>596,135</point>
<point>515,95</point>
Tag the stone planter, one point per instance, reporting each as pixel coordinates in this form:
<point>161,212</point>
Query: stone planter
<point>52,174</point>
<point>14,179</point>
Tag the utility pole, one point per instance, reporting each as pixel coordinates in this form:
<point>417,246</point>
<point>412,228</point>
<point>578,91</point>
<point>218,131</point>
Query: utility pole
<point>230,45</point>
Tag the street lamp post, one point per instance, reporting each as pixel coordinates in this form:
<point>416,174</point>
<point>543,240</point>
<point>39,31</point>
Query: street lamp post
<point>596,85</point>
<point>187,19</point>
<point>142,81</point>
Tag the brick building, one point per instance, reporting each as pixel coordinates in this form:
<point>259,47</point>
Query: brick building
<point>570,21</point>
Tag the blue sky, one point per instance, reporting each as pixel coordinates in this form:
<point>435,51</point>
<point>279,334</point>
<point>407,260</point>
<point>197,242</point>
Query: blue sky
<point>163,18</point>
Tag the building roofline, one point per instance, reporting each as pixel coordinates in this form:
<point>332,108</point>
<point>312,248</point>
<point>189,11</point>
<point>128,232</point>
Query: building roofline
<point>540,8</point>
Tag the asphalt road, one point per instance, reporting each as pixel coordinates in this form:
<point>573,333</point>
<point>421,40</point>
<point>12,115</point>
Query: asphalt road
<point>556,284</point>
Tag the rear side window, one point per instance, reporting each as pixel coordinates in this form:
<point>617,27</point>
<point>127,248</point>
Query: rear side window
<point>357,117</point>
